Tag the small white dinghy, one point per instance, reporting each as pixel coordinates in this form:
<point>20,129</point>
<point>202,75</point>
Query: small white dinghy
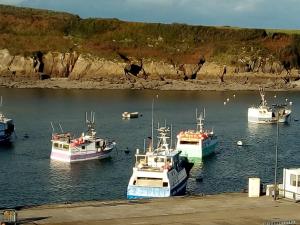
<point>128,115</point>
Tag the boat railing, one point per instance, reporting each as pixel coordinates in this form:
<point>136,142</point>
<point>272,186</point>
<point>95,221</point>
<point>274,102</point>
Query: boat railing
<point>61,137</point>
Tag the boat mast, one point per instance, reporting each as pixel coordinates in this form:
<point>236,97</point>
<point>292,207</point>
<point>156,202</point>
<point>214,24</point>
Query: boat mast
<point>162,143</point>
<point>262,95</point>
<point>200,120</point>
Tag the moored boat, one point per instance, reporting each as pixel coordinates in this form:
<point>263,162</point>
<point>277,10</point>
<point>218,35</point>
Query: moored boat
<point>88,146</point>
<point>128,115</point>
<point>7,127</point>
<point>196,144</point>
<point>265,114</point>
<point>158,172</point>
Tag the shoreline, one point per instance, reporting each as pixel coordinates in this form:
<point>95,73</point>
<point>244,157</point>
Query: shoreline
<point>167,85</point>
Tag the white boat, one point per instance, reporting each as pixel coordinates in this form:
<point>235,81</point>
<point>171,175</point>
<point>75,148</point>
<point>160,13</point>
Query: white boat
<point>88,146</point>
<point>196,144</point>
<point>265,114</point>
<point>7,127</point>
<point>128,115</point>
<point>159,172</point>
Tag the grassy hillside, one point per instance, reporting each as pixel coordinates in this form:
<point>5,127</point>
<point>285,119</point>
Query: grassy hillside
<point>25,31</point>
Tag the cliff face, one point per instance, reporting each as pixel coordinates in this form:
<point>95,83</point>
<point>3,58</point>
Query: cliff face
<point>87,67</point>
<point>83,67</point>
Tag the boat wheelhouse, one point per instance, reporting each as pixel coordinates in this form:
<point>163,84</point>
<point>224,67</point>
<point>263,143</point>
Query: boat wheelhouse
<point>88,146</point>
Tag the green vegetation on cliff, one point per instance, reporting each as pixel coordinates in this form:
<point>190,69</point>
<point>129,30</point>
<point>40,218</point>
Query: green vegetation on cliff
<point>26,31</point>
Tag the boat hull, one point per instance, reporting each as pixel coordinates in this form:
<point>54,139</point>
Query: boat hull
<point>196,152</point>
<point>5,138</point>
<point>269,117</point>
<point>140,192</point>
<point>62,156</point>
<point>6,131</point>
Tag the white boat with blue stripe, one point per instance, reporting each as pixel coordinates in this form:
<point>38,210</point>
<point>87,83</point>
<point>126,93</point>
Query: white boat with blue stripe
<point>159,172</point>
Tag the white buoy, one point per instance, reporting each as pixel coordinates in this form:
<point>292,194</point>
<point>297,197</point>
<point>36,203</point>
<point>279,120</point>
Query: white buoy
<point>291,103</point>
<point>224,103</point>
<point>239,143</point>
<point>286,99</point>
<point>275,96</point>
<point>234,95</point>
<point>227,99</point>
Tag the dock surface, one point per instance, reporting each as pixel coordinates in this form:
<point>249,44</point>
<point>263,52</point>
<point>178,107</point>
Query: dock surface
<point>221,209</point>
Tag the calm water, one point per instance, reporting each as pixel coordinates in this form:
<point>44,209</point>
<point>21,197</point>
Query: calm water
<point>28,176</point>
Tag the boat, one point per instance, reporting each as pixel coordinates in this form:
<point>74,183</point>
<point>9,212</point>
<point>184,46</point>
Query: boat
<point>196,144</point>
<point>265,114</point>
<point>129,115</point>
<point>7,127</point>
<point>88,146</point>
<point>159,172</point>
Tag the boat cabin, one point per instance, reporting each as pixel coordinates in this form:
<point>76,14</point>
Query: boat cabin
<point>154,162</point>
<point>291,183</point>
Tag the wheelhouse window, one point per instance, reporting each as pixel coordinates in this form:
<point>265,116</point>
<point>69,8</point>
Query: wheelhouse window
<point>189,142</point>
<point>55,145</point>
<point>293,180</point>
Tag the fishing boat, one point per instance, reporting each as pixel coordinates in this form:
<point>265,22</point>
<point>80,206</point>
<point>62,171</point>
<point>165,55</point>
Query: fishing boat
<point>196,144</point>
<point>88,146</point>
<point>265,114</point>
<point>7,127</point>
<point>158,172</point>
<point>129,115</point>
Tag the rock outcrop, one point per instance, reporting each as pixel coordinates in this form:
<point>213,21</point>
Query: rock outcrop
<point>75,66</point>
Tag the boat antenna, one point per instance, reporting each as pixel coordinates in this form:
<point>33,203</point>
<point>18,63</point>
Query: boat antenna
<point>144,145</point>
<point>86,119</point>
<point>93,120</point>
<point>200,123</point>
<point>52,127</point>
<point>203,113</point>
<point>1,101</point>
<point>60,127</point>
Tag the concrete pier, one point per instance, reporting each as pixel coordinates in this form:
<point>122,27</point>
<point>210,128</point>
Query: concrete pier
<point>233,208</point>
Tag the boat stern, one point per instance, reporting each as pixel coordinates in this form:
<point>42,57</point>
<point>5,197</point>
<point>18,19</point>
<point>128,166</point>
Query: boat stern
<point>139,192</point>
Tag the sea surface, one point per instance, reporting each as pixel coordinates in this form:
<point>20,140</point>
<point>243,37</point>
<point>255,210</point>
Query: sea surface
<point>29,177</point>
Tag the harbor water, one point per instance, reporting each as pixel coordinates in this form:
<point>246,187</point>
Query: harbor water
<point>29,177</point>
